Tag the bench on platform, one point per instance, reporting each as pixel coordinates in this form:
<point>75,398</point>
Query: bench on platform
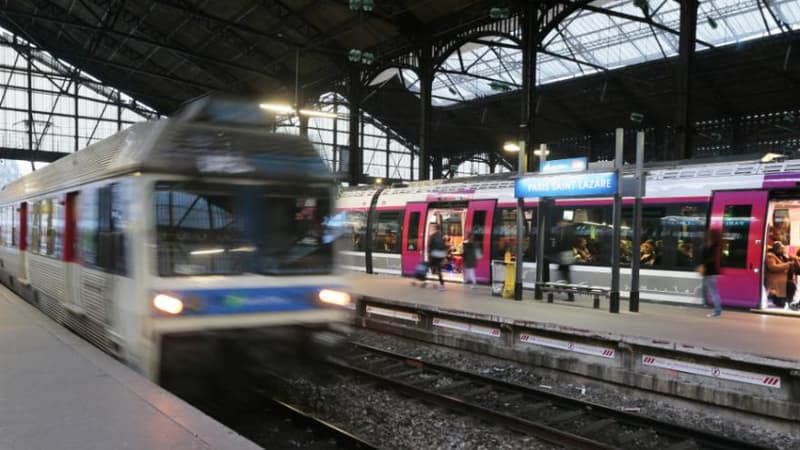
<point>571,289</point>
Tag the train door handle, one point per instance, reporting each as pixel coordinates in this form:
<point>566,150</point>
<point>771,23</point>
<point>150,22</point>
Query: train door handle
<point>754,269</point>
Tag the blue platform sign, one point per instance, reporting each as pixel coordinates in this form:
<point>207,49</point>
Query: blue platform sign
<point>590,184</point>
<point>564,165</point>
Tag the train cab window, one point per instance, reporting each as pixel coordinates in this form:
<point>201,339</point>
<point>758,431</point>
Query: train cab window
<point>386,237</point>
<point>735,231</point>
<point>216,229</point>
<point>101,225</point>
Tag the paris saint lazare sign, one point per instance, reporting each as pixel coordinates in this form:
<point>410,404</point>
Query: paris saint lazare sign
<point>591,184</point>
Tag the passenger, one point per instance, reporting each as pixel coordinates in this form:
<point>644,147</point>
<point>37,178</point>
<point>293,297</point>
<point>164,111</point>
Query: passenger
<point>581,251</point>
<point>685,254</point>
<point>710,270</point>
<point>390,242</point>
<point>469,253</point>
<point>777,277</point>
<point>647,254</point>
<point>437,251</point>
<point>794,299</point>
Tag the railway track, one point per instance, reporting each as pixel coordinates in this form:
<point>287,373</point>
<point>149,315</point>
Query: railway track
<point>281,425</point>
<point>546,415</point>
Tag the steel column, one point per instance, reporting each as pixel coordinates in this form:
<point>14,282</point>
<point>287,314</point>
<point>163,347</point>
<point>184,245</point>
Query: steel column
<point>426,109</point>
<point>355,165</point>
<point>613,303</point>
<point>684,122</point>
<point>633,306</point>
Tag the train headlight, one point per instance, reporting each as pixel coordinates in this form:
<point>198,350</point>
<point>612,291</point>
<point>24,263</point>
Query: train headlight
<point>168,304</point>
<point>334,297</point>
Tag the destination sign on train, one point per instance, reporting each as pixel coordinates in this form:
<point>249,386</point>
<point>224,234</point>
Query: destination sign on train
<point>564,165</point>
<point>567,185</point>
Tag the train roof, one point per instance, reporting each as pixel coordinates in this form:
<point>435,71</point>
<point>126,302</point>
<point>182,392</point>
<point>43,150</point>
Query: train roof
<point>196,142</point>
<point>682,178</point>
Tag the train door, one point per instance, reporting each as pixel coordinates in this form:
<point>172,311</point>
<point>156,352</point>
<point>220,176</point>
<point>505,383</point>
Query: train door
<point>73,270</point>
<point>23,241</point>
<point>479,222</point>
<point>740,215</point>
<point>413,236</point>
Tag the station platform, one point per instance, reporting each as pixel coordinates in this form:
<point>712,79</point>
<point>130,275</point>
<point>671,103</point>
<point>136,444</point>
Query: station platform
<point>57,391</point>
<point>722,360</point>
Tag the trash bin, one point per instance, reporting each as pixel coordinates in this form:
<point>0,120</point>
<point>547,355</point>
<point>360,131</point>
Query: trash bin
<point>509,280</point>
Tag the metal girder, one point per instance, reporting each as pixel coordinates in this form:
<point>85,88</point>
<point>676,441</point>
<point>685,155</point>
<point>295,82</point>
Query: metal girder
<point>67,53</point>
<point>621,15</point>
<point>30,155</point>
<point>216,73</point>
<point>22,49</point>
<point>158,44</point>
<point>222,29</point>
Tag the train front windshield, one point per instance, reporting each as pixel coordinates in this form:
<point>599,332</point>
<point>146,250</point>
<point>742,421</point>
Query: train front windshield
<point>215,229</point>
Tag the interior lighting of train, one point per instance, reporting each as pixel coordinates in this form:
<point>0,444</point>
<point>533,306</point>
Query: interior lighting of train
<point>210,251</point>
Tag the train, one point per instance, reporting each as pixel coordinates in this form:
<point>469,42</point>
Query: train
<point>175,239</point>
<point>752,203</point>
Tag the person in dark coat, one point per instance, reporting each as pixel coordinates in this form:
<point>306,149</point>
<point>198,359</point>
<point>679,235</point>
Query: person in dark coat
<point>437,251</point>
<point>470,258</point>
<point>710,270</point>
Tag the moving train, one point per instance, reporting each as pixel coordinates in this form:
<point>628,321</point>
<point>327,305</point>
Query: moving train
<point>173,238</point>
<point>752,203</point>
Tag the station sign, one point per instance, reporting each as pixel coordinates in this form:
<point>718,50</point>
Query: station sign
<point>564,165</point>
<point>592,184</point>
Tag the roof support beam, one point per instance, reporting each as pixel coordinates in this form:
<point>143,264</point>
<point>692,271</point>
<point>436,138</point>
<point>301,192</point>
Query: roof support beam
<point>30,155</point>
<point>426,73</point>
<point>613,13</point>
<point>684,122</point>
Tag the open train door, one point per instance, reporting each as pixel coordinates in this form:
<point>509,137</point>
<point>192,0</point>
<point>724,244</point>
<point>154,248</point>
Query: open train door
<point>414,236</point>
<point>479,221</point>
<point>740,216</point>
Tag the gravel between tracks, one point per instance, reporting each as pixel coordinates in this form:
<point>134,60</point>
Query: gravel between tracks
<point>601,394</point>
<point>393,421</point>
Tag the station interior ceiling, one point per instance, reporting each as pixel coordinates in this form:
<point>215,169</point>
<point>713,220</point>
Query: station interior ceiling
<point>167,52</point>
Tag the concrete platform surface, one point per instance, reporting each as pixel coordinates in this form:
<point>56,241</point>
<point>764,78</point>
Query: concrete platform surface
<point>740,335</point>
<point>59,392</point>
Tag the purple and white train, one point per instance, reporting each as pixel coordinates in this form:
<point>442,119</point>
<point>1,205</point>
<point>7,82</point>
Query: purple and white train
<point>752,203</point>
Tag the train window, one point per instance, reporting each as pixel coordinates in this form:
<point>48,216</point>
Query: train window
<point>7,225</point>
<point>87,226</point>
<point>735,231</point>
<point>670,235</point>
<point>194,227</point>
<point>478,228</point>
<point>12,212</point>
<point>204,229</point>
<point>34,227</point>
<point>387,232</point>
<point>356,229</point>
<point>505,233</point>
<point>413,232</point>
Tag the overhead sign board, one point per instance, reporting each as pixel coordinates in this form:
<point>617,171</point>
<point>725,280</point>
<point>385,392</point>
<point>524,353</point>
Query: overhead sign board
<point>590,184</point>
<point>564,165</point>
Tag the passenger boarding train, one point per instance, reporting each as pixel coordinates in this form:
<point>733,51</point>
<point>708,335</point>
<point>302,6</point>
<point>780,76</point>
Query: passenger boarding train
<point>752,203</point>
<point>177,233</point>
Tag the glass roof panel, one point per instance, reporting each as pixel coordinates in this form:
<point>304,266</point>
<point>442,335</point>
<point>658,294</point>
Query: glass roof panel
<point>596,39</point>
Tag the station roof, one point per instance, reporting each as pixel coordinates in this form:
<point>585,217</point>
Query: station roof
<point>599,65</point>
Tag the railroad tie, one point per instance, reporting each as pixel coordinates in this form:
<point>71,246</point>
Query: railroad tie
<point>595,426</point>
<point>565,416</point>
